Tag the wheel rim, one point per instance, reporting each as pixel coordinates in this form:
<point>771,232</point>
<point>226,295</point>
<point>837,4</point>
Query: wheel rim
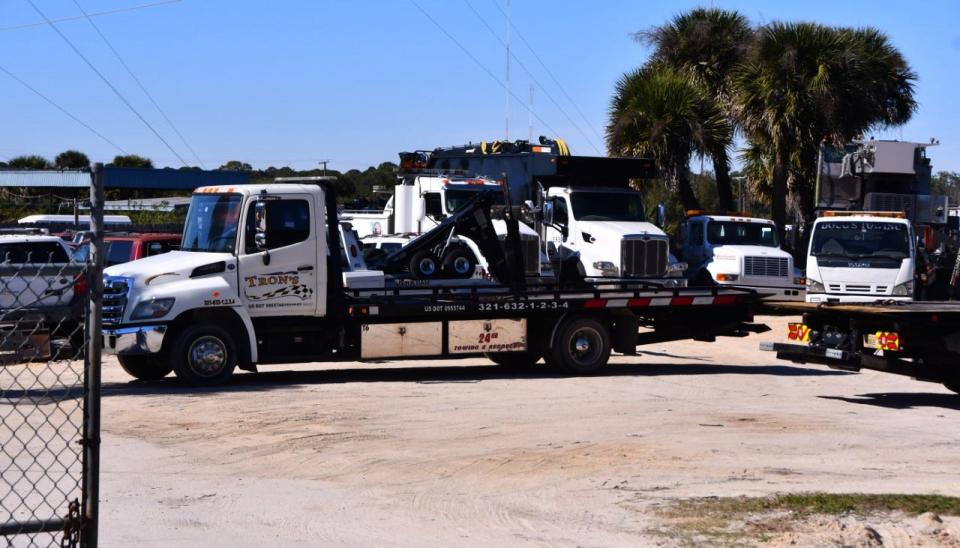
<point>427,266</point>
<point>461,265</point>
<point>207,356</point>
<point>586,344</point>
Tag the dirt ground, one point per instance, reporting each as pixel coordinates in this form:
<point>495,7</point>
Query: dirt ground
<point>465,452</point>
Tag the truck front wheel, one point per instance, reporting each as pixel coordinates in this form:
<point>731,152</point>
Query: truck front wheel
<point>582,345</point>
<point>204,355</point>
<point>145,368</point>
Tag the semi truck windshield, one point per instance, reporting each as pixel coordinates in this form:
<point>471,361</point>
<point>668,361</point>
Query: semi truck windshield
<point>458,198</point>
<point>614,206</point>
<point>211,223</point>
<point>861,239</point>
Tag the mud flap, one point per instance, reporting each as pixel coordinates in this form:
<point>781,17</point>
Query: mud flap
<point>625,333</point>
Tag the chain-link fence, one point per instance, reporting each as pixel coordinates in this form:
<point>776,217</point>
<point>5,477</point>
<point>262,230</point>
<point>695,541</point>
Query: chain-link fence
<point>49,390</point>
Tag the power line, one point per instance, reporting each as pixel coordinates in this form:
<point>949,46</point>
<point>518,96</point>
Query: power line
<point>139,83</point>
<point>61,109</point>
<point>107,82</point>
<point>481,65</point>
<point>532,77</point>
<point>94,14</point>
<point>550,73</point>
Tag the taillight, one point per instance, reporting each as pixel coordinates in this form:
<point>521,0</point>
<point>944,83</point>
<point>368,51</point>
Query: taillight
<point>353,250</point>
<point>80,286</point>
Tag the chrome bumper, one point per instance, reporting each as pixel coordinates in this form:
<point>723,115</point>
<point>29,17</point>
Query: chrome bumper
<point>142,339</point>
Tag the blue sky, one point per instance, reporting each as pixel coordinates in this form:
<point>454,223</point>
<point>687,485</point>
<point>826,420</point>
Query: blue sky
<point>291,82</point>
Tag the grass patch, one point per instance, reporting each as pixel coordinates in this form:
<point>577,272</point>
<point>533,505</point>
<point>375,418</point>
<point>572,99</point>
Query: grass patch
<point>815,503</point>
<point>750,520</point>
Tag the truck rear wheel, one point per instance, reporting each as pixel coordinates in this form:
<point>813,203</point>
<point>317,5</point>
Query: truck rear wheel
<point>204,355</point>
<point>514,360</point>
<point>582,345</point>
<point>424,265</point>
<point>145,368</point>
<point>459,263</point>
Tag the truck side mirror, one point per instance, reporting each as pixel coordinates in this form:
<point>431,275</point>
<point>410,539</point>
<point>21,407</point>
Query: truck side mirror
<point>260,235</point>
<point>260,221</point>
<point>661,215</point>
<point>548,213</point>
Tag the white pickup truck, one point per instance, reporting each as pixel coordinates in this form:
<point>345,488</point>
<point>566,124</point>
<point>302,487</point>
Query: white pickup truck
<point>606,228</point>
<point>738,250</point>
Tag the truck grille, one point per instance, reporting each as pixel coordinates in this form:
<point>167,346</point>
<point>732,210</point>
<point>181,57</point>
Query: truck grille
<point>765,266</point>
<point>114,299</point>
<point>643,257</point>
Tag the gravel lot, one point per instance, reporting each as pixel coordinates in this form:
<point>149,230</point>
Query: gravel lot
<point>462,451</point>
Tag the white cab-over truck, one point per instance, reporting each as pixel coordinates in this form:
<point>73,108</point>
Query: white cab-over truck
<point>258,280</point>
<point>861,257</point>
<point>738,250</point>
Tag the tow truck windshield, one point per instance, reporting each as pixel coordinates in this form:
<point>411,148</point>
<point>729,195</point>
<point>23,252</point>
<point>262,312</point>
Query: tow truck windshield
<point>860,240</point>
<point>613,206</point>
<point>211,223</point>
<point>457,198</point>
<point>741,233</point>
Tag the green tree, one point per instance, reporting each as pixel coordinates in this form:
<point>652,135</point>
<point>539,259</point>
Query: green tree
<point>29,161</point>
<point>708,43</point>
<point>660,112</point>
<point>71,159</point>
<point>236,165</point>
<point>947,183</point>
<point>132,160</point>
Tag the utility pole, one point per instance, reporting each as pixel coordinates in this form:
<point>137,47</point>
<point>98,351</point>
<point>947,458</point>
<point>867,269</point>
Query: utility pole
<point>506,133</point>
<point>324,164</point>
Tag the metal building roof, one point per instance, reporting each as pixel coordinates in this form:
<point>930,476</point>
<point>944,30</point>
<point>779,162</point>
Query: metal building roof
<point>124,177</point>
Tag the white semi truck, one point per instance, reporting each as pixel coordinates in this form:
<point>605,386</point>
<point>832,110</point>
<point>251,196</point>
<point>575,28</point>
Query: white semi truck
<point>259,280</point>
<point>738,250</point>
<point>593,220</point>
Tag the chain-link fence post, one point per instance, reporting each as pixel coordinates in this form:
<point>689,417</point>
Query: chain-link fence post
<point>91,426</point>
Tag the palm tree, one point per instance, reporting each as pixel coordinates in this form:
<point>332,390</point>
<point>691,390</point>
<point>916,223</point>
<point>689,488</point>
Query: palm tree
<point>709,43</point>
<point>661,112</point>
<point>805,82</point>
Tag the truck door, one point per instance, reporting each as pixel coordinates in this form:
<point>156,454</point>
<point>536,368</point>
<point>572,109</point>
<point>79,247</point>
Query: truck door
<point>694,249</point>
<point>285,283</point>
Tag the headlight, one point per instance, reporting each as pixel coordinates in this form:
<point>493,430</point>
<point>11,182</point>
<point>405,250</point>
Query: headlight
<point>903,290</point>
<point>813,286</point>
<point>155,308</point>
<point>799,281</point>
<point>604,265</point>
<point>727,277</point>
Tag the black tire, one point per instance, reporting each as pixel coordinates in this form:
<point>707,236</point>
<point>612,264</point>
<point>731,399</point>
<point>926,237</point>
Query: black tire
<point>582,346</point>
<point>145,368</point>
<point>459,263</point>
<point>203,355</point>
<point>424,265</point>
<point>514,360</point>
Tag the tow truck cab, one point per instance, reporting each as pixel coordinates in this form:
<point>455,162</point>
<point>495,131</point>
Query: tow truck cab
<point>735,249</point>
<point>857,257</point>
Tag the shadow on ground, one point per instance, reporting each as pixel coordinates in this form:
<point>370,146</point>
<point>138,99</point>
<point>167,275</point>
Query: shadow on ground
<point>903,400</point>
<point>269,379</point>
